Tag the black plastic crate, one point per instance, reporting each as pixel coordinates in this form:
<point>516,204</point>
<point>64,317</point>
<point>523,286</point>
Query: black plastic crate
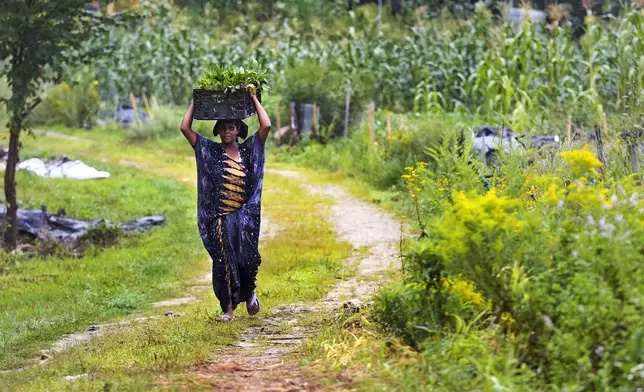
<point>219,105</point>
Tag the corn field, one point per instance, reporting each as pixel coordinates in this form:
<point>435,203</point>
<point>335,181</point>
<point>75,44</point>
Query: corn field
<point>476,66</point>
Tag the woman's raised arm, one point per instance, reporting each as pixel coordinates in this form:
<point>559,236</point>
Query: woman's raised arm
<point>264,120</point>
<point>186,126</point>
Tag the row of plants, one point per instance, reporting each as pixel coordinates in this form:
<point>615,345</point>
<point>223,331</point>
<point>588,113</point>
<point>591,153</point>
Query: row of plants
<point>478,65</point>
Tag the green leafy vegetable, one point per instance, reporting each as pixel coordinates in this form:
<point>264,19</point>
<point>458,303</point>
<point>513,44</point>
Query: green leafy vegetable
<point>231,79</point>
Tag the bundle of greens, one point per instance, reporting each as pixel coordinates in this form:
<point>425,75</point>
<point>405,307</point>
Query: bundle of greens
<point>229,79</point>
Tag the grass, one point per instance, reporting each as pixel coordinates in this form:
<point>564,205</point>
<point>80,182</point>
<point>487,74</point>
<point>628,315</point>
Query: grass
<point>309,256</point>
<point>394,201</point>
<point>300,263</point>
<point>42,299</point>
<point>356,350</point>
<point>127,194</point>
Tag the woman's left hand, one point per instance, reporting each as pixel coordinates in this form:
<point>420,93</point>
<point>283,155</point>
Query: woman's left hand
<point>251,89</point>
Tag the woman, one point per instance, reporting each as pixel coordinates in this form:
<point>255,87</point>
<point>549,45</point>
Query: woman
<point>229,181</point>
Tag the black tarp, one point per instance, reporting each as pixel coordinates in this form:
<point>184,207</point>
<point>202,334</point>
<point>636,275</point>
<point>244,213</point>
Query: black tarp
<point>39,224</point>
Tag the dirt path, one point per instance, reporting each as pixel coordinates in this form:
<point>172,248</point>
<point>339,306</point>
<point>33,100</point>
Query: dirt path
<point>60,135</point>
<point>263,359</point>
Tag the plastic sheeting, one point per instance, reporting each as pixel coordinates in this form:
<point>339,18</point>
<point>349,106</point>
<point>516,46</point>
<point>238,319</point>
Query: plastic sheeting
<point>487,139</point>
<point>40,224</point>
<point>490,138</point>
<point>62,167</point>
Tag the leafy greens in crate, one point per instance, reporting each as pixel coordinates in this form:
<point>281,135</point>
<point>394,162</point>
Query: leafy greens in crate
<point>230,79</point>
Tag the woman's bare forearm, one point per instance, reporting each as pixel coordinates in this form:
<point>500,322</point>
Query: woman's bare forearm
<point>186,125</point>
<point>264,120</point>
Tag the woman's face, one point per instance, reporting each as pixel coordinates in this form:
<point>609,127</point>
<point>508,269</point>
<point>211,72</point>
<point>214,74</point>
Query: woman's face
<point>228,132</point>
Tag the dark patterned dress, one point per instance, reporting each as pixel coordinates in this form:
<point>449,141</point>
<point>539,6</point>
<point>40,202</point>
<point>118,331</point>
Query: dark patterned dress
<point>228,212</point>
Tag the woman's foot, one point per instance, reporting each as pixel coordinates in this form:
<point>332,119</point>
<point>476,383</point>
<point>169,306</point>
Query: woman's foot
<point>228,316</point>
<point>252,305</point>
<point>225,318</point>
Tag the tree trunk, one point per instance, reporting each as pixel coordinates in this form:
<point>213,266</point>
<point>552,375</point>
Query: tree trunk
<point>11,226</point>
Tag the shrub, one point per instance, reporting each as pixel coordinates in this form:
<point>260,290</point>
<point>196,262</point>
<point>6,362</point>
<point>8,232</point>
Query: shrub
<point>591,294</point>
<point>73,104</point>
<point>324,85</point>
<point>164,124</point>
<point>404,310</point>
<point>380,165</point>
<point>417,312</point>
<point>560,268</point>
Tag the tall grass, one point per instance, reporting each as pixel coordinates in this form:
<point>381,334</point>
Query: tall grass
<point>164,124</point>
<point>381,163</point>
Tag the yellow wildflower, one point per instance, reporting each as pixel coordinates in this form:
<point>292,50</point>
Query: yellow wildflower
<point>581,162</point>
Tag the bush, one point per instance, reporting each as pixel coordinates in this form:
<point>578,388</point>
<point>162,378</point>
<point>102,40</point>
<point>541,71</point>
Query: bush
<point>73,104</point>
<point>164,124</point>
<point>560,266</point>
<point>418,312</point>
<point>381,165</point>
<point>407,312</point>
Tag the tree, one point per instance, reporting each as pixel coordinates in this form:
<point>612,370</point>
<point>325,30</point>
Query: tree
<point>38,39</point>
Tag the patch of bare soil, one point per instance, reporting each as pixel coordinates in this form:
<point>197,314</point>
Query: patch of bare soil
<point>263,359</point>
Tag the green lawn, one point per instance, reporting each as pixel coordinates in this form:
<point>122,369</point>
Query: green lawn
<point>42,299</point>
